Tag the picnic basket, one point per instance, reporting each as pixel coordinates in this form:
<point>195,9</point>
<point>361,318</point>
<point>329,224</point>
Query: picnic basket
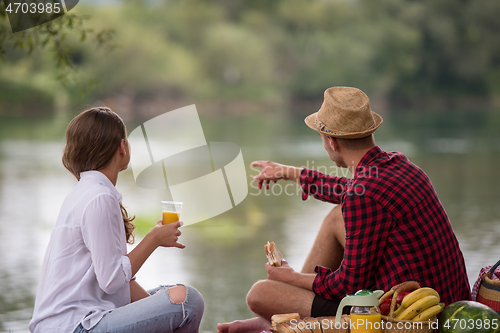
<point>489,290</point>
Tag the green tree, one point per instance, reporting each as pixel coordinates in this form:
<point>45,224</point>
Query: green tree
<point>456,53</point>
<point>51,37</point>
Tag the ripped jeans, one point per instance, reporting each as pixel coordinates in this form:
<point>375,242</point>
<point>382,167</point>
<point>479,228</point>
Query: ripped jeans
<point>156,313</point>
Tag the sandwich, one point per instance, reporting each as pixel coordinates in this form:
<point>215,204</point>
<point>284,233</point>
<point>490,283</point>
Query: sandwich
<point>281,322</point>
<point>285,317</point>
<point>273,254</point>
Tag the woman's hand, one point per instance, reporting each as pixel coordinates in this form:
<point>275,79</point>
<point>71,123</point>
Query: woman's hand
<point>161,235</point>
<point>167,235</point>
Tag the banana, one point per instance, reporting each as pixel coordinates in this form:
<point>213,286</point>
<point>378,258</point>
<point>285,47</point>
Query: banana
<point>398,311</point>
<point>418,306</point>
<point>417,295</point>
<point>429,313</point>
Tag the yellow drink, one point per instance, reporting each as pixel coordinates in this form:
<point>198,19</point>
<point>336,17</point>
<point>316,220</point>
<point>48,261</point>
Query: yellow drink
<point>170,217</point>
<point>366,323</point>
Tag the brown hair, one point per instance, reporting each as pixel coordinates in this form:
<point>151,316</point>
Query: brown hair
<point>92,139</point>
<point>357,144</point>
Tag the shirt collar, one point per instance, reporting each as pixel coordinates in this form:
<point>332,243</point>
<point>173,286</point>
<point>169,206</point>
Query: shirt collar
<point>102,179</point>
<point>367,158</point>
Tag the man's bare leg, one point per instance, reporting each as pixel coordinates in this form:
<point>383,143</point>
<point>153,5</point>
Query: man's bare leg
<point>328,248</point>
<point>267,298</point>
<point>270,297</point>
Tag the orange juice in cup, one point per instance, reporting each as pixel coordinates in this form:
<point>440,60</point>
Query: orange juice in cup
<point>169,217</point>
<point>171,211</point>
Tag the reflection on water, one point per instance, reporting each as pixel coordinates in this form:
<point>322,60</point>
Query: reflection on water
<point>224,256</point>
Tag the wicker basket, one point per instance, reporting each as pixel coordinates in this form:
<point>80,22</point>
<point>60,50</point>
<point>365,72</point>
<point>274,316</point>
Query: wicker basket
<point>489,291</point>
<point>392,325</point>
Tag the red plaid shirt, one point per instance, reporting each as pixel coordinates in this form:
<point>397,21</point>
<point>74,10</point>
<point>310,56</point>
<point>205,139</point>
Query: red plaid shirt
<point>396,230</point>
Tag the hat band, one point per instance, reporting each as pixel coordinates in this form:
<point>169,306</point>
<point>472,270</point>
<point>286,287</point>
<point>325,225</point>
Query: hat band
<point>322,127</point>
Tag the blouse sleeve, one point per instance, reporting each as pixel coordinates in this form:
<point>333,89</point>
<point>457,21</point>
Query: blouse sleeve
<point>104,236</point>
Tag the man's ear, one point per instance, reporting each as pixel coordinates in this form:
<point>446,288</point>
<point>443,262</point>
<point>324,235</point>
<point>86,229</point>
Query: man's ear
<point>333,143</point>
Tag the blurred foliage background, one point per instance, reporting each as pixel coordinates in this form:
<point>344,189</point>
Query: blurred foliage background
<point>141,54</point>
<point>254,69</point>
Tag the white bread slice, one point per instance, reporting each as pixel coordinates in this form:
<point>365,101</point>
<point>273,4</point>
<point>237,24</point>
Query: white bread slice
<point>285,328</point>
<point>302,326</point>
<point>314,324</point>
<point>283,318</point>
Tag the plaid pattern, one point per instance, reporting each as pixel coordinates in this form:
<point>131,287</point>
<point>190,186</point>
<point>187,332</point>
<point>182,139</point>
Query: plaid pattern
<point>396,230</point>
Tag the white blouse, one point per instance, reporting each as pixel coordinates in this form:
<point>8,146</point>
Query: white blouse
<point>85,268</point>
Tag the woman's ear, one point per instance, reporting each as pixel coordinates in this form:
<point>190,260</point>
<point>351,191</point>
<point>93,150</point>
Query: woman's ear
<point>122,148</point>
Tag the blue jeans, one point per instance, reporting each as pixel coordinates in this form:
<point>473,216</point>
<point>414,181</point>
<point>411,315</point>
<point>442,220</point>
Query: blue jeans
<point>156,313</point>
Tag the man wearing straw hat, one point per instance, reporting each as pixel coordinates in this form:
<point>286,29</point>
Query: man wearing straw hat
<point>388,226</point>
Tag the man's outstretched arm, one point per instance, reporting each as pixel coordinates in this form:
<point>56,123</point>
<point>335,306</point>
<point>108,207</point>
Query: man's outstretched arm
<point>272,171</point>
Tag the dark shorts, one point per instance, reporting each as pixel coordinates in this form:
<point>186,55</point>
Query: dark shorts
<point>322,307</point>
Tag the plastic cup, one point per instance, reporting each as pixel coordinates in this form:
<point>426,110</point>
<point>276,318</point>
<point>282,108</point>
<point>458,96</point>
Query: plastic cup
<point>171,211</point>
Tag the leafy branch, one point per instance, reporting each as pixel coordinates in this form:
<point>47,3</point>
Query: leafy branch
<point>53,37</point>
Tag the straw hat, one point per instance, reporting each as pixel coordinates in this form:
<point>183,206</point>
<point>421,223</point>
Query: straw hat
<point>345,113</point>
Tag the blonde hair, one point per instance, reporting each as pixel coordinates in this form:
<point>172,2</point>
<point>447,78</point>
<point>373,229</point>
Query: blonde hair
<point>92,139</point>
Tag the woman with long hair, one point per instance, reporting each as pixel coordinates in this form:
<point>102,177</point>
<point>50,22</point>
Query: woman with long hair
<point>87,280</point>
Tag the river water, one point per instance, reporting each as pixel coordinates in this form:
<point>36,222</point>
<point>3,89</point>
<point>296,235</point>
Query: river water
<point>224,256</point>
